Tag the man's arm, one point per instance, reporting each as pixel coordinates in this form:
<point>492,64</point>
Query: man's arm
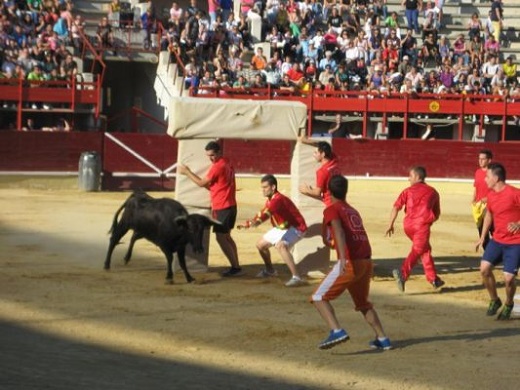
<point>393,216</point>
<point>488,219</point>
<point>313,192</point>
<point>340,244</point>
<point>201,182</point>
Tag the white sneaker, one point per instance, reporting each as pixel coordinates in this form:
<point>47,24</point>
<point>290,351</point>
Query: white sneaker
<point>295,282</point>
<point>486,119</point>
<point>46,107</point>
<point>266,274</point>
<point>34,107</point>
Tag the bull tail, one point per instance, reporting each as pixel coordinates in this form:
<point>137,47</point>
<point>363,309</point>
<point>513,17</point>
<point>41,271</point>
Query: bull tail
<point>116,217</point>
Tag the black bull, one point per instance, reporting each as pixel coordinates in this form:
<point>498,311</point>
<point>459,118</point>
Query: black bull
<point>165,222</point>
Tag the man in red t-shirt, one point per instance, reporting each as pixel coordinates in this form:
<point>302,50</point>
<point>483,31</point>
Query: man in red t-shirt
<point>503,210</point>
<point>288,228</point>
<point>422,208</point>
<point>220,181</point>
<point>328,168</point>
<point>480,193</point>
<point>353,270</point>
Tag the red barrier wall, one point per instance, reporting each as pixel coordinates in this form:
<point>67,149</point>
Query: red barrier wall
<point>60,152</point>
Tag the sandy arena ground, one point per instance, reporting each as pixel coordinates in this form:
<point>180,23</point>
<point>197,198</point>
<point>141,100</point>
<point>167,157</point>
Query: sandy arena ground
<point>65,323</point>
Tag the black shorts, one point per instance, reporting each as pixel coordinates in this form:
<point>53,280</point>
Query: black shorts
<point>227,217</point>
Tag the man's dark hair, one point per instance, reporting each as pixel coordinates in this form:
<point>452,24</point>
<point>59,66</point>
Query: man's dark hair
<point>487,152</point>
<point>338,187</point>
<point>498,170</point>
<point>325,148</point>
<point>420,171</point>
<point>213,146</point>
<point>270,179</point>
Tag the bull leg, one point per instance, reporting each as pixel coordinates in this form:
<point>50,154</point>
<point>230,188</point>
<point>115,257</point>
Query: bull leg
<point>117,234</point>
<point>181,254</point>
<point>169,260</point>
<point>134,238</point>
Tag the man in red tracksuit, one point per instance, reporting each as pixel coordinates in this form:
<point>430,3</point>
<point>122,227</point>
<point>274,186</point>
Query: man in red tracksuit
<point>422,208</point>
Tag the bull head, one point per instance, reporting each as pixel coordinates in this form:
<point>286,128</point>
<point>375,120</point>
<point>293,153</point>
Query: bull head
<point>196,224</point>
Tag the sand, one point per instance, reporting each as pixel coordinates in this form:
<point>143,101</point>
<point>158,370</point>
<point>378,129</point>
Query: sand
<point>68,324</point>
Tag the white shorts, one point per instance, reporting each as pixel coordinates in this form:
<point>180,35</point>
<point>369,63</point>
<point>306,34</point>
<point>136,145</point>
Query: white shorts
<point>291,236</point>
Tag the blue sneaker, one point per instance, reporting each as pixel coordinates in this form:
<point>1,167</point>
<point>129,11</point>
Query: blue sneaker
<point>334,339</point>
<point>378,344</point>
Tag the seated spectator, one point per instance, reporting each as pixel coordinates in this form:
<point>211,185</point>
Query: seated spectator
<point>474,26</point>
<point>430,51</point>
<point>492,46</point>
<point>296,75</point>
<point>488,70</point>
<point>476,50</point>
<point>104,35</point>
<point>286,84</point>
<point>326,75</point>
<point>259,61</point>
<point>510,71</point>
<point>409,46</point>
<point>335,21</point>
<point>176,13</point>
<point>258,82</point>
<point>392,23</point>
<point>444,48</point>
<point>327,60</point>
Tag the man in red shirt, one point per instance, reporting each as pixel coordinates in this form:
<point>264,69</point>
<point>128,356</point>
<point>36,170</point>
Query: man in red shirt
<point>328,168</point>
<point>422,208</point>
<point>503,210</point>
<point>288,228</point>
<point>220,181</point>
<point>480,193</point>
<point>353,270</point>
<point>296,75</point>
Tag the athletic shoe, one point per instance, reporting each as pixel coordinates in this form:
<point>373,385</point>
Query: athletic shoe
<point>267,274</point>
<point>295,282</point>
<point>399,279</point>
<point>232,272</point>
<point>334,339</point>
<point>505,313</point>
<point>493,307</point>
<point>438,283</point>
<point>381,344</point>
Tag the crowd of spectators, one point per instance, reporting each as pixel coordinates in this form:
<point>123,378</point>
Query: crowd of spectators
<point>34,36</point>
<point>340,45</point>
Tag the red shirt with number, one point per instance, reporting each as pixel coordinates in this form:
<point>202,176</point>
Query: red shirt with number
<point>505,208</point>
<point>355,235</point>
<point>222,187</point>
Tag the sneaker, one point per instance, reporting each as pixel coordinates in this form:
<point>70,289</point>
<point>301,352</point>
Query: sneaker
<point>34,107</point>
<point>486,119</point>
<point>295,282</point>
<point>438,283</point>
<point>334,339</point>
<point>381,344</point>
<point>399,279</point>
<point>267,274</point>
<point>505,313</point>
<point>232,272</point>
<point>493,307</point>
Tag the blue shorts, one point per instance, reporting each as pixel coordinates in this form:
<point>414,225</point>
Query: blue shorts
<point>509,254</point>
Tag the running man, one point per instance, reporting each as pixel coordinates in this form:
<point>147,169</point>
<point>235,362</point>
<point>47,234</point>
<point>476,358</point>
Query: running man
<point>220,181</point>
<point>288,228</point>
<point>503,210</point>
<point>352,272</point>
<point>480,193</point>
<point>422,208</point>
<point>328,168</point>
